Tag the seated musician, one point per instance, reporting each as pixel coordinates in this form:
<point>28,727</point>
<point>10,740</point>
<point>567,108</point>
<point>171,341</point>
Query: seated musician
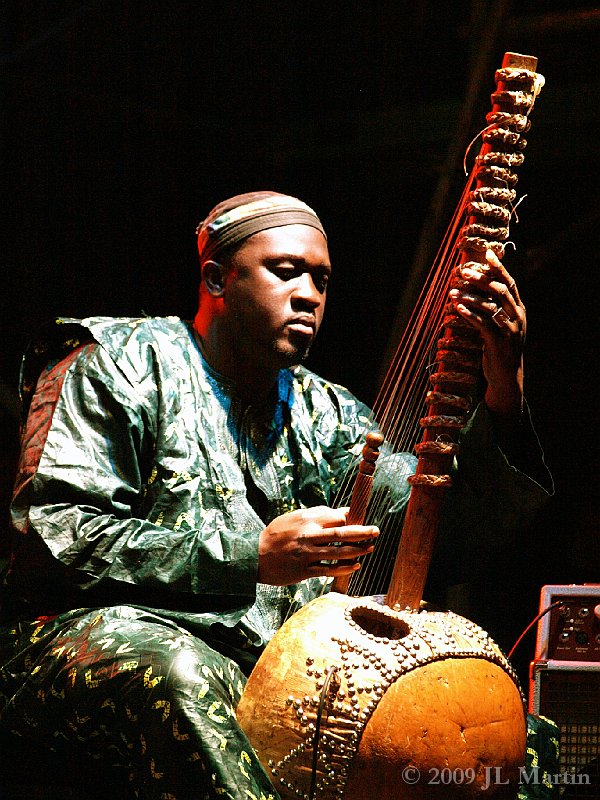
<point>175,497</point>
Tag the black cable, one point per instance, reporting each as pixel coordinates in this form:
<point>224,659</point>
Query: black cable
<point>315,756</point>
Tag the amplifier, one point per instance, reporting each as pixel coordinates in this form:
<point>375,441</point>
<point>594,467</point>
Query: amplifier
<point>570,631</point>
<point>565,683</point>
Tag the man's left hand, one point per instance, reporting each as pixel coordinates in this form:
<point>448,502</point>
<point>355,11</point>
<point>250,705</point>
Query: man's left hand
<point>490,302</point>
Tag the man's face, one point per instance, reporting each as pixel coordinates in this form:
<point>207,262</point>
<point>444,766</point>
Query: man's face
<point>274,297</point>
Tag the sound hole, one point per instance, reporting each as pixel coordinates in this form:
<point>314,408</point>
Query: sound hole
<point>379,625</point>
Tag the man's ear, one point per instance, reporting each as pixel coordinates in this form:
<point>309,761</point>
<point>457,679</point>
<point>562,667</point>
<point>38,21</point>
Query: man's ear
<point>213,276</point>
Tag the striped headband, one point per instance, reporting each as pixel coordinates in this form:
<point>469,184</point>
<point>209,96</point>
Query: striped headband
<point>239,217</point>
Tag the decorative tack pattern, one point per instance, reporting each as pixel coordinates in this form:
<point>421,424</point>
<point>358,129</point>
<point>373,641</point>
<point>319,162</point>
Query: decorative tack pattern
<point>376,646</point>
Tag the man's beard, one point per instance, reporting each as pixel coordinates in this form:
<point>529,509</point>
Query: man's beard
<point>293,354</point>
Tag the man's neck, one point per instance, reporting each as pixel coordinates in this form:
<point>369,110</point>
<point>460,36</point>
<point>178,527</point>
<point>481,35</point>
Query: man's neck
<point>252,384</point>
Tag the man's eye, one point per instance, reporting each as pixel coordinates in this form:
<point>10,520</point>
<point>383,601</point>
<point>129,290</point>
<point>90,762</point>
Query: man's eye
<point>285,273</point>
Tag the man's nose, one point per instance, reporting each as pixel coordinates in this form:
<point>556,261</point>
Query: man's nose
<point>306,290</point>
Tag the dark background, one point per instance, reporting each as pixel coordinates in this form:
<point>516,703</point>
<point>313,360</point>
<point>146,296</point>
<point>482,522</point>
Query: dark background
<point>125,122</point>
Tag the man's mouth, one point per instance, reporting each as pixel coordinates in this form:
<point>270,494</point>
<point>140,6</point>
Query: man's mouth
<point>302,325</point>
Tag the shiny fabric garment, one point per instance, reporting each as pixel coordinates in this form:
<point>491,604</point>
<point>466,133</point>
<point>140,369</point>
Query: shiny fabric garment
<point>145,480</point>
<point>140,696</point>
<point>143,486</point>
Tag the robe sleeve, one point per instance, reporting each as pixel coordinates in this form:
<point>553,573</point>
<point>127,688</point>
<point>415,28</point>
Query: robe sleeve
<point>80,532</point>
<point>500,483</point>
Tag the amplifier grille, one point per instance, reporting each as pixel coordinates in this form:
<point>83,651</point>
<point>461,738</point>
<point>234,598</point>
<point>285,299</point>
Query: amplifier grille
<point>571,698</point>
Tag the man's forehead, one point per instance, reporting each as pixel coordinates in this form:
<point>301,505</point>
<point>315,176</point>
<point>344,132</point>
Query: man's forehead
<point>295,243</point>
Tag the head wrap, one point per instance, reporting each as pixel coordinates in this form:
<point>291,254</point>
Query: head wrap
<point>235,219</point>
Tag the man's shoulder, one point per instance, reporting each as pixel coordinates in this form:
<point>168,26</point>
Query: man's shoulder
<point>135,338</point>
<point>117,331</point>
<point>138,345</point>
<point>134,347</point>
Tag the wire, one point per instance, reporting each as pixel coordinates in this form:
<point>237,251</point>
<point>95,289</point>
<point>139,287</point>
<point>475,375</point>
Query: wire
<point>331,675</point>
<point>532,623</point>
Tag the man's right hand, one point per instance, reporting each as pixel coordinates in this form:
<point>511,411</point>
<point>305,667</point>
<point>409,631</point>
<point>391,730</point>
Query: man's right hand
<point>298,545</point>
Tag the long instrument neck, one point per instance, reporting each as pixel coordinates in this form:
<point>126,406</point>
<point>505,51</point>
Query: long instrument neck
<point>484,213</point>
<point>458,355</point>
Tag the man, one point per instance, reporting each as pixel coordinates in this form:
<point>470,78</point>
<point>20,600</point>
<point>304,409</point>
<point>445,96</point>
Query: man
<point>173,504</point>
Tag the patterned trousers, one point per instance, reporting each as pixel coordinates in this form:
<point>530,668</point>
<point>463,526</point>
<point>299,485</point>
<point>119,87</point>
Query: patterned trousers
<point>136,693</point>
